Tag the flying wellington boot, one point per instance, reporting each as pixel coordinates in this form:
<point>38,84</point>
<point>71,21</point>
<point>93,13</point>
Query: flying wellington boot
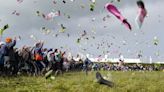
<point>101,80</point>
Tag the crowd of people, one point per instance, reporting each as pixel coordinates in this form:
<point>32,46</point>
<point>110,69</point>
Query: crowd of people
<point>127,67</point>
<point>37,60</point>
<point>34,60</point>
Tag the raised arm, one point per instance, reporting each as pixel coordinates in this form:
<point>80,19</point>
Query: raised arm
<point>12,44</point>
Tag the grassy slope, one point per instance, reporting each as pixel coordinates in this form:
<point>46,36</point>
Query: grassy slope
<point>78,82</point>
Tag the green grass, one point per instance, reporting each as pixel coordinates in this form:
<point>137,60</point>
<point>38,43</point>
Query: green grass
<point>79,82</point>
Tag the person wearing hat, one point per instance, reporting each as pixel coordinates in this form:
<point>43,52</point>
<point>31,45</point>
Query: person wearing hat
<point>10,45</point>
<point>10,54</point>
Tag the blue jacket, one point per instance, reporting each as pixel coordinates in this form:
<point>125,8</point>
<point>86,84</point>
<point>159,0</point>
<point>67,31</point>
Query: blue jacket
<point>86,62</point>
<point>9,47</point>
<point>9,50</point>
<point>2,54</point>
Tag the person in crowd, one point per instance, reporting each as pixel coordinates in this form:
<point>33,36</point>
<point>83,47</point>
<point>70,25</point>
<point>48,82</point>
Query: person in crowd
<point>50,58</point>
<point>9,57</point>
<point>38,56</point>
<point>45,52</point>
<point>57,59</point>
<point>86,65</point>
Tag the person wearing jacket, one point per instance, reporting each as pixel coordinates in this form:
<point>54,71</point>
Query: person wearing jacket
<point>9,56</point>
<point>50,58</point>
<point>38,56</point>
<point>86,63</point>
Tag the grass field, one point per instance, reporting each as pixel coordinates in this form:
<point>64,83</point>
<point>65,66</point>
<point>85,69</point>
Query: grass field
<point>79,82</point>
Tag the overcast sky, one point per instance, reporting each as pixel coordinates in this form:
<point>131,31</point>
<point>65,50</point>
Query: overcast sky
<point>110,32</point>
